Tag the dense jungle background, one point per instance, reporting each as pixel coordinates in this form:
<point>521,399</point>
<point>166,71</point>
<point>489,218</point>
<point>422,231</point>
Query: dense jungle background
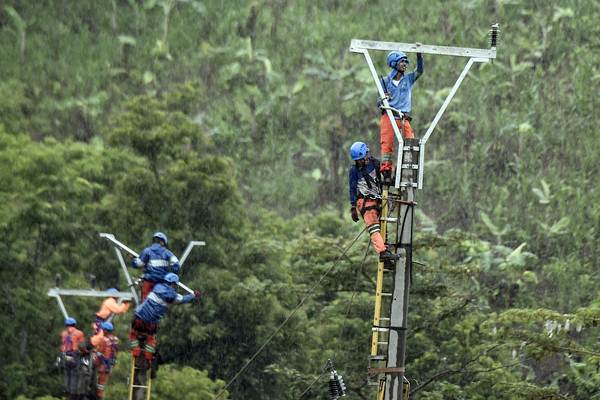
<point>230,122</point>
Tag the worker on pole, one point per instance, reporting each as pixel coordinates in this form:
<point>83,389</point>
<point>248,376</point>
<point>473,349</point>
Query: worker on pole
<point>397,87</point>
<point>364,181</point>
<point>157,261</point>
<point>72,345</point>
<point>150,312</point>
<point>105,348</point>
<point>109,307</point>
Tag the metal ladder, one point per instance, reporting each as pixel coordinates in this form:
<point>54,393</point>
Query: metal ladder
<point>140,380</point>
<point>394,212</point>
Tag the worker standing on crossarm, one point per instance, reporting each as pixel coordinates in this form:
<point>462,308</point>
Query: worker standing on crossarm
<point>364,182</point>
<point>157,261</point>
<point>397,86</point>
<point>105,348</point>
<point>109,307</point>
<point>148,315</point>
<point>72,344</point>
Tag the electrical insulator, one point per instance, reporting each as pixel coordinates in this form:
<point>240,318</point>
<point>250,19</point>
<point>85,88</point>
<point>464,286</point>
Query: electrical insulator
<point>57,280</point>
<point>494,35</point>
<point>333,387</point>
<point>341,386</point>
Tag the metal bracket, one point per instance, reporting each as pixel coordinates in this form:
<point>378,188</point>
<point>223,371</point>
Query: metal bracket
<point>57,293</point>
<point>118,245</point>
<point>473,54</point>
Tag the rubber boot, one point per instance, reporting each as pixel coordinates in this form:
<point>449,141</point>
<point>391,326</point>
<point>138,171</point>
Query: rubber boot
<point>386,170</point>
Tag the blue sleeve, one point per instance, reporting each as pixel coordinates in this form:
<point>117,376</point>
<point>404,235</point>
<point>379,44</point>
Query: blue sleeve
<point>352,185</point>
<point>140,261</point>
<point>173,262</point>
<point>420,67</point>
<point>187,298</point>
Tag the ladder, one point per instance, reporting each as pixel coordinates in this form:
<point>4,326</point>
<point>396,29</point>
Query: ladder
<point>396,226</point>
<point>140,380</point>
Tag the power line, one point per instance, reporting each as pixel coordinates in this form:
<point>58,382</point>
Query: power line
<point>300,304</point>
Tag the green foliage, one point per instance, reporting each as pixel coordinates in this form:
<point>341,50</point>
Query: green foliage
<point>231,125</point>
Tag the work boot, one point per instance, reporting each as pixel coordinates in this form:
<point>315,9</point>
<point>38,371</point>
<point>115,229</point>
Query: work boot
<point>386,170</point>
<point>387,255</point>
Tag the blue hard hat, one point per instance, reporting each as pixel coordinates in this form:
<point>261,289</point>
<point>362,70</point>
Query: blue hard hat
<point>358,150</point>
<point>112,290</point>
<point>70,321</point>
<point>160,236</point>
<point>171,278</point>
<point>394,58</point>
<point>107,326</point>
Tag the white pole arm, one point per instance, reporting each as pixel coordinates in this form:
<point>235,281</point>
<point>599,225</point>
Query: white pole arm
<point>120,245</point>
<point>188,250</point>
<point>184,287</point>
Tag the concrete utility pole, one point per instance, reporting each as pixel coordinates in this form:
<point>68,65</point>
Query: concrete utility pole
<point>388,346</point>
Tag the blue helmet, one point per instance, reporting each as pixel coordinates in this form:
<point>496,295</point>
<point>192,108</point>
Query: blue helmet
<point>107,326</point>
<point>358,150</point>
<point>161,236</point>
<point>70,321</point>
<point>394,58</point>
<point>171,278</point>
<point>112,290</point>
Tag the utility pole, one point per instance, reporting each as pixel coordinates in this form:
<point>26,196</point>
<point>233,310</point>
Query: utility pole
<point>388,345</point>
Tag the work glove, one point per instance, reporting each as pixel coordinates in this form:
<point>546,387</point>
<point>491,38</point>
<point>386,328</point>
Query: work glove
<point>354,213</point>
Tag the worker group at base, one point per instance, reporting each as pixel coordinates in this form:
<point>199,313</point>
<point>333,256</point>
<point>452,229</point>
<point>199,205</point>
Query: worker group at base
<point>87,361</point>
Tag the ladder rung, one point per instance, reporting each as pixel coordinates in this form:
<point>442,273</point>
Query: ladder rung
<point>408,184</point>
<point>409,166</point>
<point>390,219</point>
<point>380,329</point>
<point>386,294</point>
<point>409,148</point>
<point>140,386</point>
<point>383,343</point>
<point>378,358</point>
<point>384,319</point>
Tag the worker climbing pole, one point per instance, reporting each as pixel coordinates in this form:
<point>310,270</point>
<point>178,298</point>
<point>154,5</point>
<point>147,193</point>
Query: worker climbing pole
<point>390,320</point>
<point>157,293</point>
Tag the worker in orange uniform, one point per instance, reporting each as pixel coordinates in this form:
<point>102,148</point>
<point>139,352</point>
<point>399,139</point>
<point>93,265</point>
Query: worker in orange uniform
<point>105,348</point>
<point>72,344</point>
<point>397,86</point>
<point>364,183</point>
<point>108,308</point>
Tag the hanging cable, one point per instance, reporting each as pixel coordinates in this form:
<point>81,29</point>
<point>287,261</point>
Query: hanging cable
<point>300,304</point>
<point>349,306</point>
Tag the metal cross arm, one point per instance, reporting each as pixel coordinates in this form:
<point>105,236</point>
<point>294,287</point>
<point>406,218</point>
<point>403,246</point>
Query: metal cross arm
<point>474,55</point>
<point>358,45</point>
<point>56,293</point>
<point>119,245</point>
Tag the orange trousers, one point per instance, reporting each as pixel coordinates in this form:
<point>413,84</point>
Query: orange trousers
<point>387,136</point>
<point>147,287</point>
<point>103,375</point>
<point>371,218</point>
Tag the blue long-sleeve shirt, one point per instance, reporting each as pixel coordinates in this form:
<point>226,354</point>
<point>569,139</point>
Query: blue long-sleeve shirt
<point>358,184</point>
<point>155,306</point>
<point>400,93</point>
<point>157,262</point>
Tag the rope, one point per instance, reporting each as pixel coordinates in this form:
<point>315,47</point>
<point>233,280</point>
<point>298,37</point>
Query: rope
<point>300,304</point>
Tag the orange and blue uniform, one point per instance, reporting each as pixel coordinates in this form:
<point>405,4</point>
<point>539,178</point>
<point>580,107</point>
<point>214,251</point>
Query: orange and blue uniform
<point>106,347</point>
